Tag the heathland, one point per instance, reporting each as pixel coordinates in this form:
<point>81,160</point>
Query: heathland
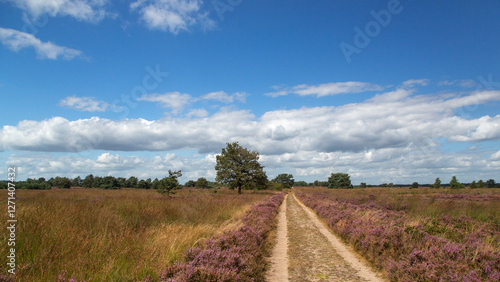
<point>417,234</point>
<point>115,235</point>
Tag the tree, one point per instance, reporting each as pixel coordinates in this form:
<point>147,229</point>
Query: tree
<point>201,183</point>
<point>76,182</point>
<point>168,184</point>
<point>491,183</point>
<point>454,184</point>
<point>473,185</point>
<point>414,185</point>
<point>301,183</point>
<point>480,184</point>
<point>437,184</point>
<point>132,182</point>
<point>62,182</point>
<point>190,183</point>
<point>155,184</point>
<point>143,184</point>
<point>109,182</point>
<point>362,185</point>
<point>88,181</point>
<point>239,168</point>
<point>96,182</point>
<point>339,181</point>
<point>285,179</point>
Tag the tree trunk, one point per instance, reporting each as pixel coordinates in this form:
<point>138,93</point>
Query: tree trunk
<point>239,189</point>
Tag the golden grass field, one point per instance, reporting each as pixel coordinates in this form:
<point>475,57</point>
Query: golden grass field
<point>114,235</point>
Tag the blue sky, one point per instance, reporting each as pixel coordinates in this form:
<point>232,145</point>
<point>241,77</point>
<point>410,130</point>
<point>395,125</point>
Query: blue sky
<point>388,91</point>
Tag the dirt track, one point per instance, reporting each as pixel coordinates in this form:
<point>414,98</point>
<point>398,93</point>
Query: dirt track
<point>307,251</point>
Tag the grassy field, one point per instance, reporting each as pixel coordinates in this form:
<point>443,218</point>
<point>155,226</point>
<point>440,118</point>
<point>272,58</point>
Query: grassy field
<point>119,235</point>
<point>417,234</point>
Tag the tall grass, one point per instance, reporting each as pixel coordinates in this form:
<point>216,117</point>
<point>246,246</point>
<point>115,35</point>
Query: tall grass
<point>423,235</point>
<point>121,235</point>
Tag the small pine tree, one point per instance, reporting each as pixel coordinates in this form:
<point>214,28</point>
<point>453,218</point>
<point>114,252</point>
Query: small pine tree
<point>168,184</point>
<point>437,184</point>
<point>473,185</point>
<point>454,184</point>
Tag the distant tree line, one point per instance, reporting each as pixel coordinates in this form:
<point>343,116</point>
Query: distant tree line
<point>236,167</point>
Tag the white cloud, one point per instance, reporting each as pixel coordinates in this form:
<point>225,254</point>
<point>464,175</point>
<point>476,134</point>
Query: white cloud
<point>197,113</point>
<point>326,89</point>
<point>46,165</point>
<point>86,104</point>
<point>385,121</point>
<point>172,15</point>
<point>391,136</point>
<point>495,156</point>
<point>172,100</point>
<point>83,10</point>
<point>17,40</point>
<point>415,82</point>
<point>223,97</point>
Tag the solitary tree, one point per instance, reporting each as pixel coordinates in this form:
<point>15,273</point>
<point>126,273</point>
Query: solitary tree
<point>454,184</point>
<point>339,181</point>
<point>414,185</point>
<point>437,183</point>
<point>239,168</point>
<point>285,179</point>
<point>170,183</point>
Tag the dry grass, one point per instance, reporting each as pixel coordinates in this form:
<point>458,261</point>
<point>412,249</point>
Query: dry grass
<point>119,235</point>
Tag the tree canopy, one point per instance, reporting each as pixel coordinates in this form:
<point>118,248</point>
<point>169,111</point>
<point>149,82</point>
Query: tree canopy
<point>339,181</point>
<point>239,168</point>
<point>285,179</point>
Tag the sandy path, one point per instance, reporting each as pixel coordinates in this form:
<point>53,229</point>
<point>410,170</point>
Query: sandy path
<point>307,251</point>
<point>353,262</point>
<point>279,260</point>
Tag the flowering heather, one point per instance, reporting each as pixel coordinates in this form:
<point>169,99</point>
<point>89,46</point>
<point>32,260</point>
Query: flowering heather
<point>237,255</point>
<point>408,246</point>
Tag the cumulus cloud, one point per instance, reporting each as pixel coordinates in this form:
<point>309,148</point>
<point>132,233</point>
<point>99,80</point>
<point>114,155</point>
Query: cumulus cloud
<point>83,10</point>
<point>388,120</point>
<point>172,100</point>
<point>172,15</point>
<point>17,40</point>
<point>86,104</point>
<point>326,89</point>
<point>47,165</point>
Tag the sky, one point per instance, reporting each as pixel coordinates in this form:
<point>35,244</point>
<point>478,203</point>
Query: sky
<point>387,91</point>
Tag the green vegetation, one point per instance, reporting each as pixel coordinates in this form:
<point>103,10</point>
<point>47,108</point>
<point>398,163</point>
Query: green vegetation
<point>239,168</point>
<point>286,180</point>
<point>339,181</point>
<point>169,184</point>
